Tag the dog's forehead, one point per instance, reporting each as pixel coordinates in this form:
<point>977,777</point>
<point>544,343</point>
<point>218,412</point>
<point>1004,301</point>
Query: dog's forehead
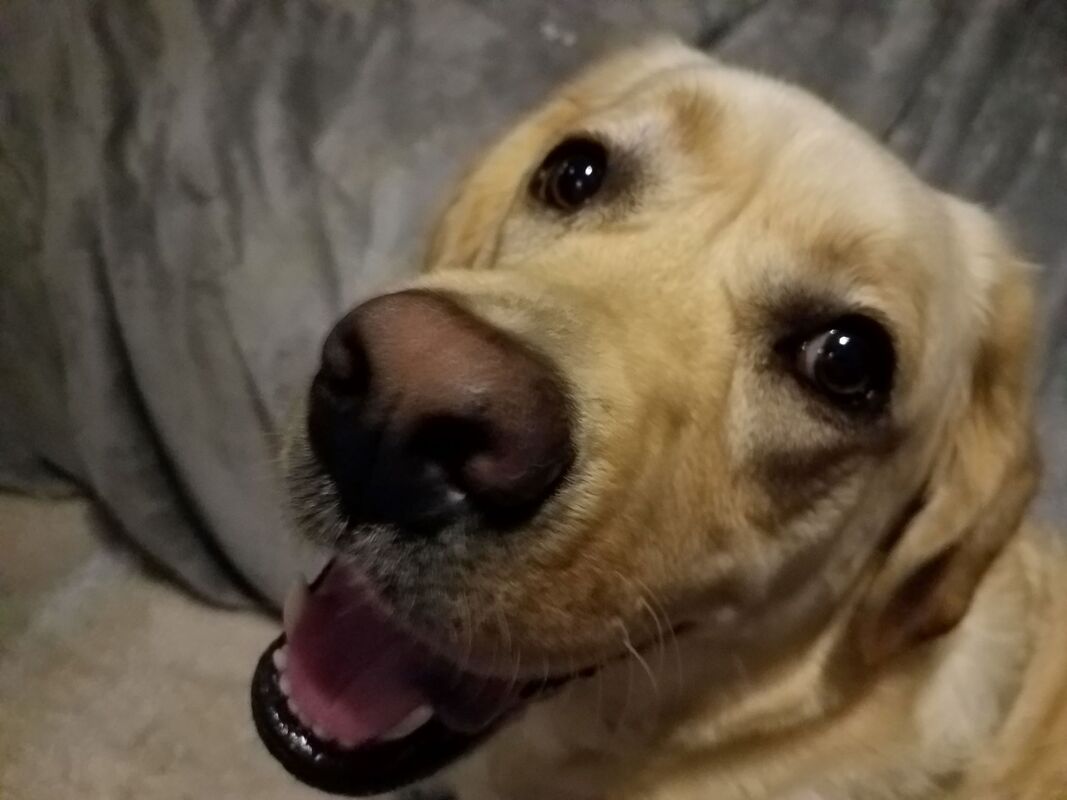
<point>782,195</point>
<point>772,142</point>
<point>807,191</point>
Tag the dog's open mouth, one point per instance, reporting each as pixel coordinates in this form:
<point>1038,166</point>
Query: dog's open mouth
<point>350,703</point>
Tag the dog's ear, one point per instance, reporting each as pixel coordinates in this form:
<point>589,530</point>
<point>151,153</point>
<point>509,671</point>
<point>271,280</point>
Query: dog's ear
<point>985,472</point>
<point>467,230</point>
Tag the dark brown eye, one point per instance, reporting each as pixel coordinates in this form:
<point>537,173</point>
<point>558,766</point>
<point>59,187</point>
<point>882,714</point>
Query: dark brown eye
<point>571,174</point>
<point>851,362</point>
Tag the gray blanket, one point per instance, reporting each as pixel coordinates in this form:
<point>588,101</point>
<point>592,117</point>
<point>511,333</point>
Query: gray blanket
<point>191,190</point>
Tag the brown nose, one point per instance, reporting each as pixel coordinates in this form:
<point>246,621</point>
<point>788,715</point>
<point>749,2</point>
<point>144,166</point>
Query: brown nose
<point>423,414</point>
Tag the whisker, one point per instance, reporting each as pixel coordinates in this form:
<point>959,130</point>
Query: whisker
<point>511,655</point>
<point>645,597</point>
<point>636,655</point>
<point>629,671</point>
<point>468,629</point>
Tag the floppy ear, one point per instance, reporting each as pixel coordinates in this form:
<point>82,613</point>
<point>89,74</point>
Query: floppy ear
<point>467,230</point>
<point>986,472</point>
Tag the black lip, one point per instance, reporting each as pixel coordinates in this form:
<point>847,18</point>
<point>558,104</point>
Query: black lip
<point>367,770</point>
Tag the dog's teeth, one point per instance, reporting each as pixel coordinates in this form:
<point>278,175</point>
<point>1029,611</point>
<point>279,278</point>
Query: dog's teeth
<point>312,560</point>
<point>284,685</point>
<point>281,658</point>
<point>294,604</point>
<point>296,712</point>
<point>411,723</point>
<point>312,575</point>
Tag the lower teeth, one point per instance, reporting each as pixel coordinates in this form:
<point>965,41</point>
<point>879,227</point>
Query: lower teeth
<point>411,723</point>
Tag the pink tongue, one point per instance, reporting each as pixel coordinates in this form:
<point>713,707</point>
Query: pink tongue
<point>356,675</point>
<point>351,672</point>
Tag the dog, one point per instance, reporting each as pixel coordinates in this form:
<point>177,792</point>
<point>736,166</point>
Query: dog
<point>695,465</point>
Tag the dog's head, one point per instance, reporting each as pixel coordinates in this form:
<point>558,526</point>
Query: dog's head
<point>691,351</point>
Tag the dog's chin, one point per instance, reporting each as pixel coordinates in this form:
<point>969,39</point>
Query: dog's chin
<point>350,702</point>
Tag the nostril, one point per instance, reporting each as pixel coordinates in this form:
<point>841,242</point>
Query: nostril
<point>340,387</point>
<point>345,367</point>
<point>452,443</point>
<point>495,470</point>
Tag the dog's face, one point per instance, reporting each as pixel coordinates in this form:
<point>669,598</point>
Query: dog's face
<point>716,349</point>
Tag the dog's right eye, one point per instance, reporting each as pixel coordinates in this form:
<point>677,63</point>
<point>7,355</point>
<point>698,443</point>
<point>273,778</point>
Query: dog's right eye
<point>571,174</point>
<point>851,362</point>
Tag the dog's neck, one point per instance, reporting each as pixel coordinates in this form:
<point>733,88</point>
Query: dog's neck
<point>687,722</point>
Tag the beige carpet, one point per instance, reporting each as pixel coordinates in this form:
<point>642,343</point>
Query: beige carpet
<point>114,685</point>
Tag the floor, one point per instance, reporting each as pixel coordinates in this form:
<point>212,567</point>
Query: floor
<point>113,685</point>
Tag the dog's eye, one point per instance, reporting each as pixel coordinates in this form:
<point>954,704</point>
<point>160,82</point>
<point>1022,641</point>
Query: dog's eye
<point>571,174</point>
<point>851,362</point>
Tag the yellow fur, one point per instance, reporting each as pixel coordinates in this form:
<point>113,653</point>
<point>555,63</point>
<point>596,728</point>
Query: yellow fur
<point>865,614</point>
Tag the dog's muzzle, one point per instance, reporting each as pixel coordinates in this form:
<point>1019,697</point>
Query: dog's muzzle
<point>421,416</point>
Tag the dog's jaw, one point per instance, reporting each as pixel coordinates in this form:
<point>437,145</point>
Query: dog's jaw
<point>815,729</point>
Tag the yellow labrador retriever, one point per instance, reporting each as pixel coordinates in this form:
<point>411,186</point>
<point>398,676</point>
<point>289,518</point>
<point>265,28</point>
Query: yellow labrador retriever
<point>695,466</point>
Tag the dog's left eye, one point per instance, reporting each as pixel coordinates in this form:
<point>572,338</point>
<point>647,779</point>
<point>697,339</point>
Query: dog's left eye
<point>571,174</point>
<point>851,362</point>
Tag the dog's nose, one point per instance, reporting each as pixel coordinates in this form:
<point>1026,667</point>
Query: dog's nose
<point>422,413</point>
